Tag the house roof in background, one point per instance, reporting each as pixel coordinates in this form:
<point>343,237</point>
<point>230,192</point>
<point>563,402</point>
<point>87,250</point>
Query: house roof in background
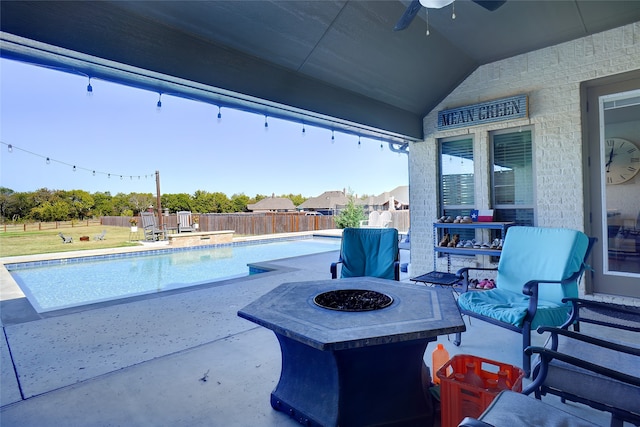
<point>273,204</point>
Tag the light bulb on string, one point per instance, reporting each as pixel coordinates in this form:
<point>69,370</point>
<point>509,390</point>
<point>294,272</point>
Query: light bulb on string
<point>381,147</point>
<point>94,173</point>
<point>359,143</point>
<point>219,114</point>
<point>120,177</point>
<point>266,124</point>
<point>453,14</point>
<point>428,32</point>
<point>10,148</point>
<point>159,104</point>
<point>304,131</point>
<point>48,161</point>
<point>108,175</point>
<point>74,168</point>
<point>333,137</point>
<point>89,88</point>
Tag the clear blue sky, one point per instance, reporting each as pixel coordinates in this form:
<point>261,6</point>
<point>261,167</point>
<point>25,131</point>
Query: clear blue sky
<point>119,131</point>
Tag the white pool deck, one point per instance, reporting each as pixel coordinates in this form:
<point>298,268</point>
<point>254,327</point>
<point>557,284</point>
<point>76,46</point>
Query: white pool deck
<point>177,359</point>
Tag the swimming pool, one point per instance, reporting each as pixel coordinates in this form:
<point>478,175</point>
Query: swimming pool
<point>64,283</point>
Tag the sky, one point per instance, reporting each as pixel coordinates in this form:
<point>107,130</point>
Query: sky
<point>119,133</point>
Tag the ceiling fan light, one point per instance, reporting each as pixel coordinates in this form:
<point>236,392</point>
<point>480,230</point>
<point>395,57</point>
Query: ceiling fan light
<point>435,4</point>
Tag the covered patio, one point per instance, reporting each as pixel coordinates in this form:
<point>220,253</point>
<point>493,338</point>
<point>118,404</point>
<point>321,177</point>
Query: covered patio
<point>178,359</point>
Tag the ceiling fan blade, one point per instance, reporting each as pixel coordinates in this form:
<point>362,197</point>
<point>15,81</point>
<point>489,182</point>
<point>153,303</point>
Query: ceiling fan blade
<point>408,15</point>
<point>490,5</point>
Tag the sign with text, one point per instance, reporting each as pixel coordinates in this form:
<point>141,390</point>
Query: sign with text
<point>514,107</point>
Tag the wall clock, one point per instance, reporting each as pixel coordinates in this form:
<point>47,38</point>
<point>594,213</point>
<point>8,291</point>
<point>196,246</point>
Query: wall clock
<point>621,160</point>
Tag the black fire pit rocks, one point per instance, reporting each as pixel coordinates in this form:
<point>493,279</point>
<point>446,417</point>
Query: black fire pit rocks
<point>342,367</point>
<point>353,300</point>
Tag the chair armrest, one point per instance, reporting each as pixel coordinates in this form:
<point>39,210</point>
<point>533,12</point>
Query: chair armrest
<point>548,354</point>
<point>334,269</point>
<point>603,313</point>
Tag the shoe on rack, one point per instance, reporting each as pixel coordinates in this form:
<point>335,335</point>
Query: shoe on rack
<point>445,240</point>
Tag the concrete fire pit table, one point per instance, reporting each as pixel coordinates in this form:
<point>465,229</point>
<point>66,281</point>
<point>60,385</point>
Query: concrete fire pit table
<point>355,368</point>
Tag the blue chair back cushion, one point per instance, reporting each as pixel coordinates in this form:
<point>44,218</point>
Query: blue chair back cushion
<point>369,252</point>
<point>532,253</point>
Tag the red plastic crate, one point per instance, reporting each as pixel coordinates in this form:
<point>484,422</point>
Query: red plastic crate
<point>459,399</point>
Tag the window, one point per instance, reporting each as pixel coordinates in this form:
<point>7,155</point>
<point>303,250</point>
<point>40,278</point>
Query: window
<point>457,185</point>
<point>513,176</point>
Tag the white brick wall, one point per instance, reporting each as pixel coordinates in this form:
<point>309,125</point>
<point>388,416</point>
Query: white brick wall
<point>551,77</point>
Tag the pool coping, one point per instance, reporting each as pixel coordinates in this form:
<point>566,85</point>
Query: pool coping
<point>16,308</point>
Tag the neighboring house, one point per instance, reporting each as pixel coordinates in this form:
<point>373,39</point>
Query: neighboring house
<point>273,204</point>
<point>396,199</point>
<point>327,203</point>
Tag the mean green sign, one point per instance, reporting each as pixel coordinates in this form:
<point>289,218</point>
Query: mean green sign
<point>514,107</point>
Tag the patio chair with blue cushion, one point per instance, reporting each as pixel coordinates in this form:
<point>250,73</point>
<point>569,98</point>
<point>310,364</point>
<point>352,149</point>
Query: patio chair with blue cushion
<point>185,221</point>
<point>368,252</point>
<point>538,267</point>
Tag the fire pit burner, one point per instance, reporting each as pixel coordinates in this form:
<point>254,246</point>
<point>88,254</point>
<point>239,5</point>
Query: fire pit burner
<point>353,300</point>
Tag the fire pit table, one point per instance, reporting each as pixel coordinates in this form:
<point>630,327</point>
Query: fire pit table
<point>354,368</point>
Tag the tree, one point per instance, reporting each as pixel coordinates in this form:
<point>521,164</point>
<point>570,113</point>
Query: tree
<point>239,202</point>
<point>351,215</point>
<point>80,203</point>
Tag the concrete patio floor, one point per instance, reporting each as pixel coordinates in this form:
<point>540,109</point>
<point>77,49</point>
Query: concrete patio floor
<point>179,359</point>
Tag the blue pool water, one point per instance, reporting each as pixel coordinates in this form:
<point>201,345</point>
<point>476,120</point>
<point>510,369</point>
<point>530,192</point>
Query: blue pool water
<point>72,282</point>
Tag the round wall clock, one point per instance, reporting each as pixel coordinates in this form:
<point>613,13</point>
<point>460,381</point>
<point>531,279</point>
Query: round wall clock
<point>621,160</point>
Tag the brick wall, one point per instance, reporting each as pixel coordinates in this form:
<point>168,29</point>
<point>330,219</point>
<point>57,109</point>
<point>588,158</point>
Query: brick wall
<point>552,78</point>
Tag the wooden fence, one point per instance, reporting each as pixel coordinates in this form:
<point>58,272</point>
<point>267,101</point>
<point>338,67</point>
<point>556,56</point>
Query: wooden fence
<point>53,225</point>
<point>260,223</point>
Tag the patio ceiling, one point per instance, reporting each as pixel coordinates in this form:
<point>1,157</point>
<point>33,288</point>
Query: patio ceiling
<point>336,64</point>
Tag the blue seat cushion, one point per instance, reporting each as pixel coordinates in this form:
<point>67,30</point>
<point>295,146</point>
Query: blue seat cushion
<point>511,307</point>
<point>369,252</point>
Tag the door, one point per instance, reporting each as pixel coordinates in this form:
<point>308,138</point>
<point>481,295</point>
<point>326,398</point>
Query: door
<point>613,185</point>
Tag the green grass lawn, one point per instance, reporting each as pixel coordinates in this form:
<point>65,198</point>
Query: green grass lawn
<point>14,243</point>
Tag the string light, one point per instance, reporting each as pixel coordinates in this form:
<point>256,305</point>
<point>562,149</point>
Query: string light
<point>428,32</point>
<point>266,124</point>
<point>381,147</point>
<point>304,131</point>
<point>159,104</point>
<point>333,137</point>
<point>359,143</point>
<point>453,15</point>
<point>48,160</point>
<point>219,114</point>
<point>89,88</point>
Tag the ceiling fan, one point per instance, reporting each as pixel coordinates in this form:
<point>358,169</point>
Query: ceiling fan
<point>412,10</point>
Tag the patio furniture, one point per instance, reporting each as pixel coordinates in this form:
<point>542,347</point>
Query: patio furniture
<point>510,409</point>
<point>373,221</point>
<point>100,236</point>
<point>185,221</point>
<point>355,368</point>
<point>368,252</point>
<point>65,239</point>
<point>600,369</point>
<point>405,242</point>
<point>538,267</point>
<point>150,227</point>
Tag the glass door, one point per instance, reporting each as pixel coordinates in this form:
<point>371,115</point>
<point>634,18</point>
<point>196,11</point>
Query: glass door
<point>615,185</point>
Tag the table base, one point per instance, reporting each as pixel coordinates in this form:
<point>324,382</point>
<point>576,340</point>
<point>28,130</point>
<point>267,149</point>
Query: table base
<point>380,384</point>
